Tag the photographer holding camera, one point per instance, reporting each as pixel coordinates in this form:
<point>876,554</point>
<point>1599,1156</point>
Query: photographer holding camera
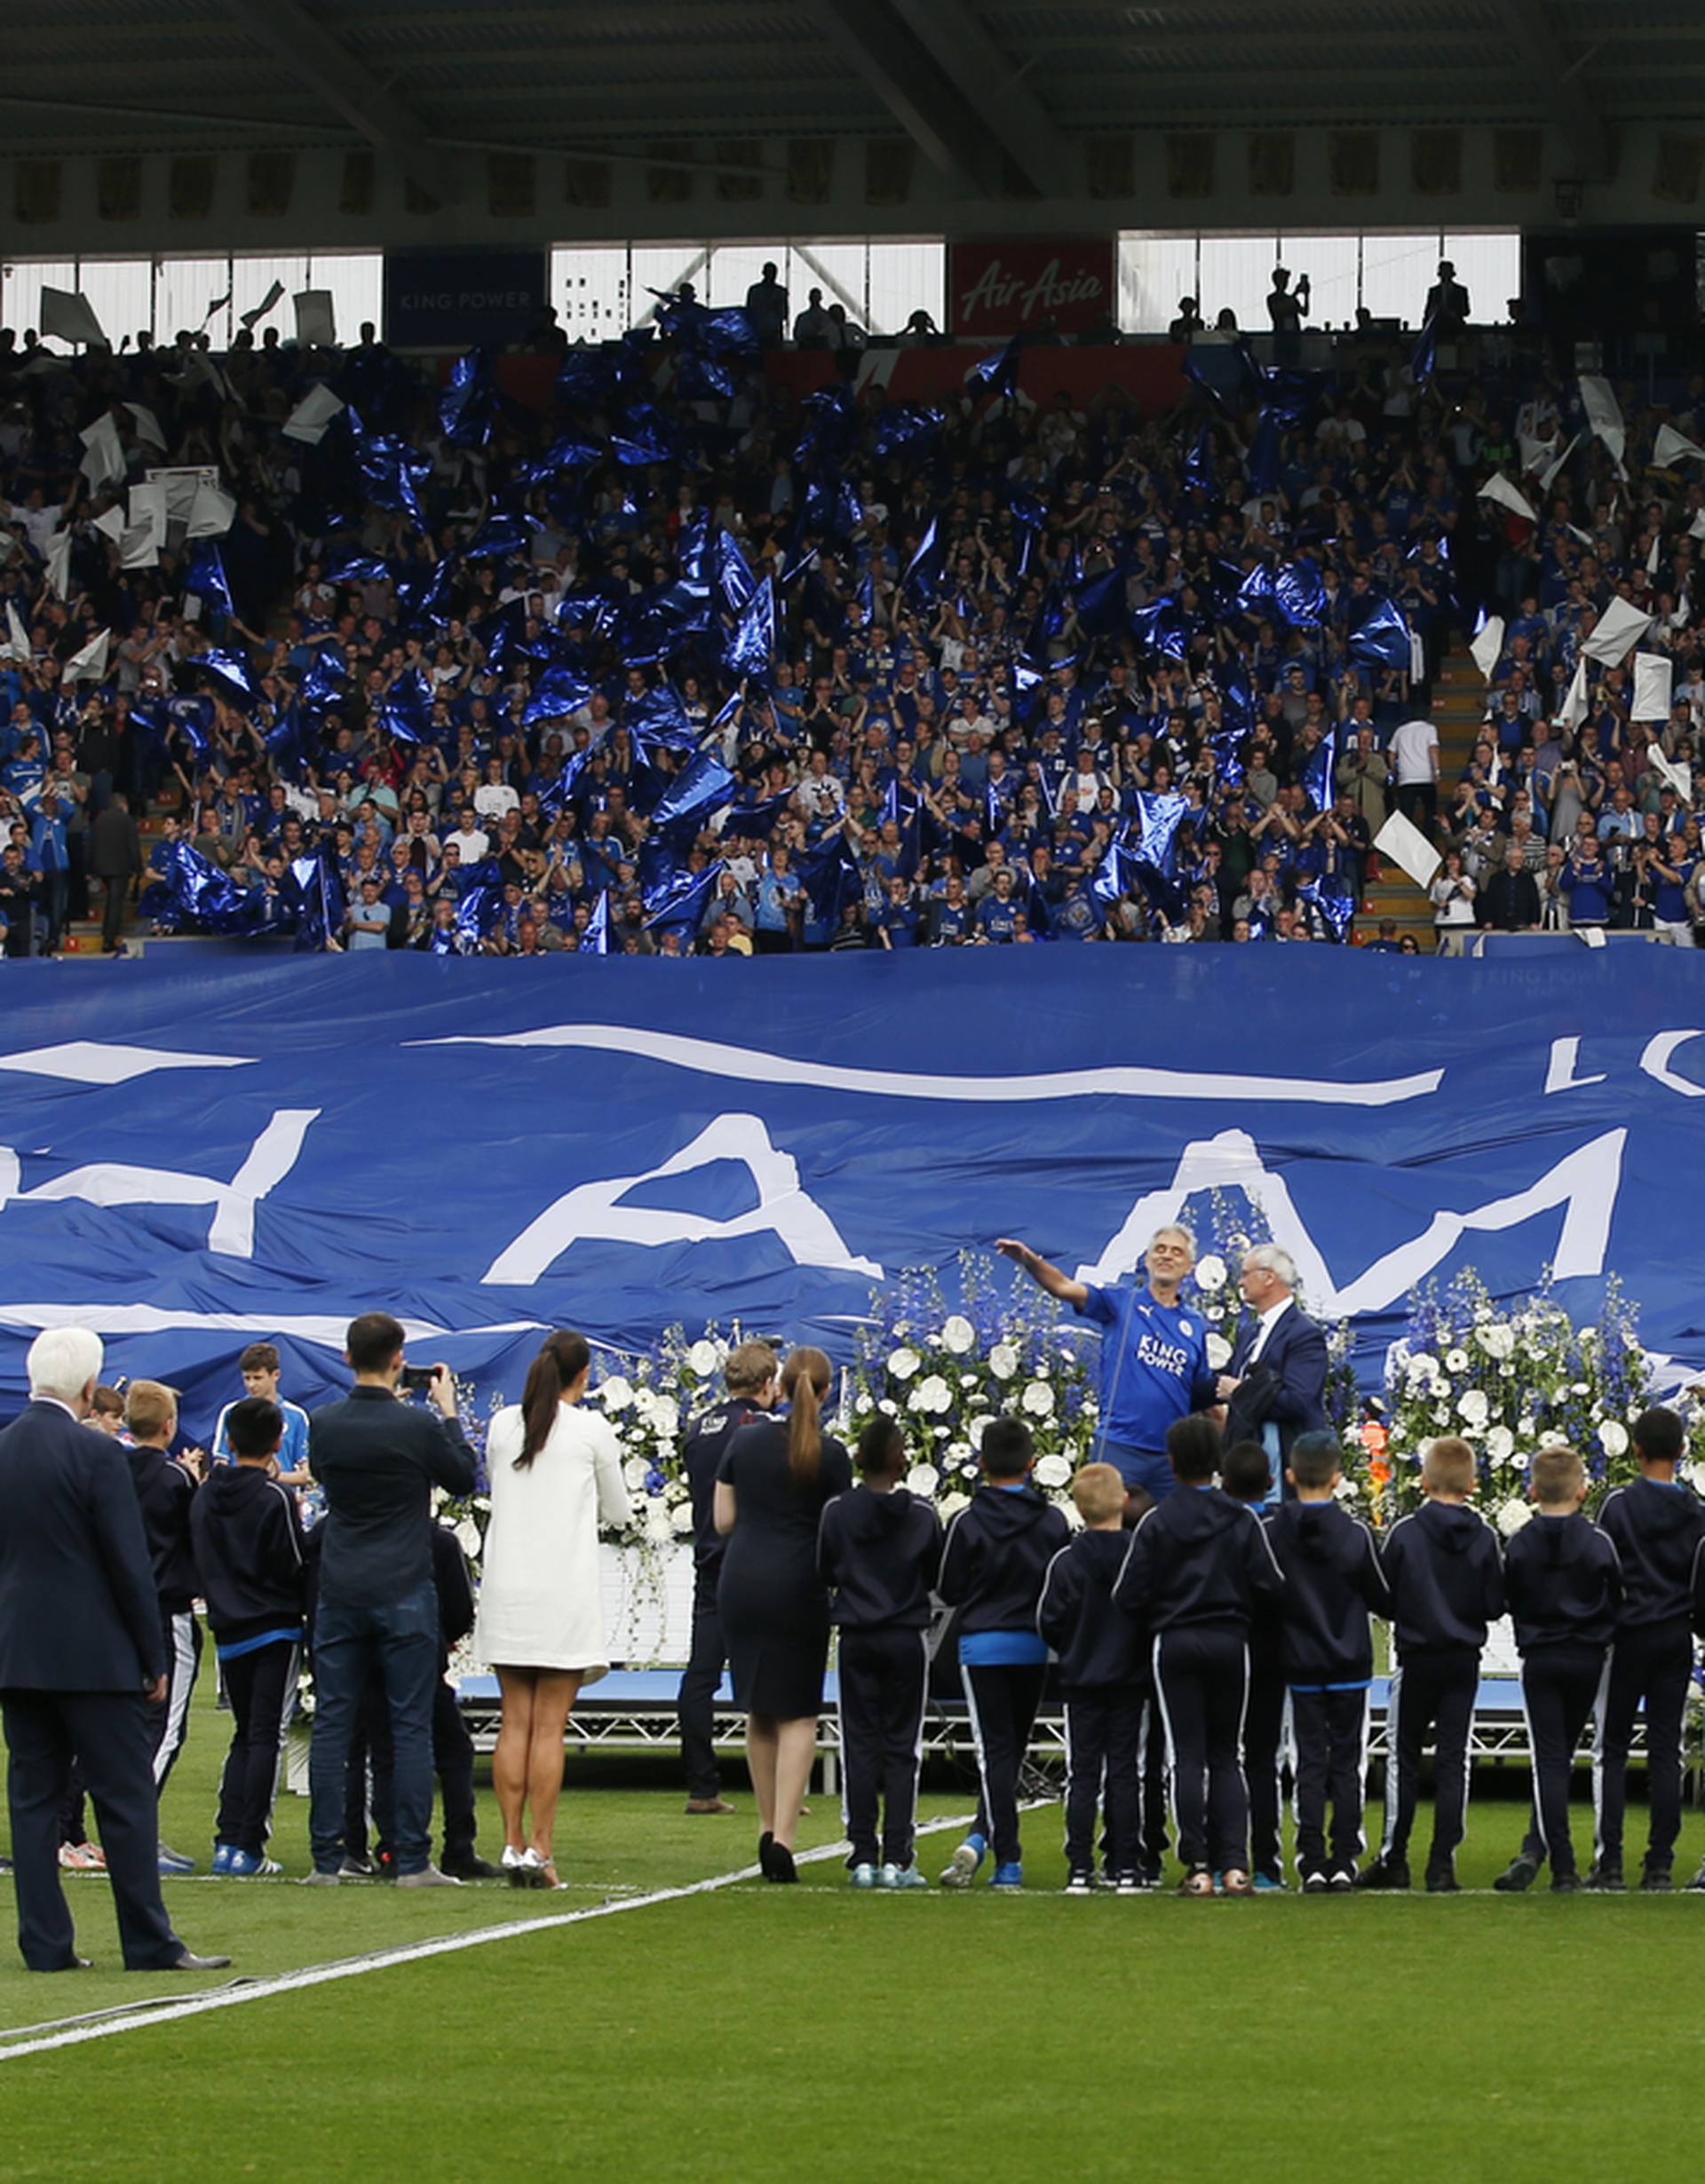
<point>377,1461</point>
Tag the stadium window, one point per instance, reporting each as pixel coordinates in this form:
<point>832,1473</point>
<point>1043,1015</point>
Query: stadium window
<point>1489,268</point>
<point>1155,273</point>
<point>842,270</point>
<point>589,286</point>
<point>1396,272</point>
<point>1237,270</point>
<point>356,281</point>
<point>185,293</point>
<point>1333,264</point>
<point>735,266</point>
<point>121,295</point>
<point>661,268</point>
<point>20,297</point>
<point>902,278</point>
<point>251,278</point>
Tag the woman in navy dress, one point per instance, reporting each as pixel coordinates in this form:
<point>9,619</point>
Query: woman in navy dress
<point>774,1478</point>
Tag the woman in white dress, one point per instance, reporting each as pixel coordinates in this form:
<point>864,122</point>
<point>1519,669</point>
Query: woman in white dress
<point>556,1477</point>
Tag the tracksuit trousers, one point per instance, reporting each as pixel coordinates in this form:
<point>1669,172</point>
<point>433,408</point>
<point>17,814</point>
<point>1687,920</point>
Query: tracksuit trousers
<point>260,1686</point>
<point>1202,1678</point>
<point>1329,1730</point>
<point>1431,1690</point>
<point>1003,1703</point>
<point>1653,1662</point>
<point>1264,1759</point>
<point>885,1675</point>
<point>1560,1687</point>
<point>1104,1774</point>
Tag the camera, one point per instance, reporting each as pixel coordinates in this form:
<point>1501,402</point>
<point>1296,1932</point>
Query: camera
<point>417,1379</point>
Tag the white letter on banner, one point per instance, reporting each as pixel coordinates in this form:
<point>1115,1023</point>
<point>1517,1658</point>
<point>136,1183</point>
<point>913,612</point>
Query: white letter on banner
<point>1584,1183</point>
<point>232,1230</point>
<point>1559,1074</point>
<point>1656,1059</point>
<point>592,1210</point>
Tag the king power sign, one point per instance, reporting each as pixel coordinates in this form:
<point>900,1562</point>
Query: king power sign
<point>1020,285</point>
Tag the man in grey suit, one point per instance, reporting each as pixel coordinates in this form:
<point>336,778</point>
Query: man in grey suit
<point>80,1662</point>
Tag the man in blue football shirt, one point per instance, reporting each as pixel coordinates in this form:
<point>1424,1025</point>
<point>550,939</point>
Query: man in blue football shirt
<point>1154,1353</point>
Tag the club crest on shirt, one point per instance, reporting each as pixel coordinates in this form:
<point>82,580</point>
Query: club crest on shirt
<point>1185,1327</point>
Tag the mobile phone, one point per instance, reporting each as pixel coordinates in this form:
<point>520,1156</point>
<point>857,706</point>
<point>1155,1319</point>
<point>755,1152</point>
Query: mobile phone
<point>417,1379</point>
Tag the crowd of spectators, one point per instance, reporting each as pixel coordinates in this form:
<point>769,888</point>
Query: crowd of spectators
<point>678,664</point>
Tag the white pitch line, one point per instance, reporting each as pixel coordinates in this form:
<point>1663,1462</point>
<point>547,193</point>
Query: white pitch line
<point>409,1952</point>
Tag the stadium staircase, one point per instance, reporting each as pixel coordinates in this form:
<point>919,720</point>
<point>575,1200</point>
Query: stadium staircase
<point>1458,709</point>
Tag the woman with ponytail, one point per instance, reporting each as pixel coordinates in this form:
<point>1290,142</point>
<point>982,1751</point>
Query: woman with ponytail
<point>775,1478</point>
<point>555,1476</point>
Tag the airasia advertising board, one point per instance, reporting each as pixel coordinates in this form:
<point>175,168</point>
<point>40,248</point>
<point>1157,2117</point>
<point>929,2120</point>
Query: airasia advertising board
<point>1018,285</point>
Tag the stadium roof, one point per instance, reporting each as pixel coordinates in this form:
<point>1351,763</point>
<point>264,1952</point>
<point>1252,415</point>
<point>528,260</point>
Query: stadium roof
<point>408,76</point>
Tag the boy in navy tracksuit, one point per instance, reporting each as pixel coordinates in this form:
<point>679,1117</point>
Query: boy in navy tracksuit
<point>165,1488</point>
<point>1564,1583</point>
<point>249,1550</point>
<point>1446,1584</point>
<point>1333,1581</point>
<point>1102,1681</point>
<point>996,1555</point>
<point>1657,1526</point>
<point>1194,1568</point>
<point>1246,1473</point>
<point>878,1551</point>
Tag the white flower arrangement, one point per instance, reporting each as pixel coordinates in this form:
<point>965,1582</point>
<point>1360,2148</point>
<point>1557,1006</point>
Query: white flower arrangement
<point>1208,1273</point>
<point>958,1336</point>
<point>1509,1378</point>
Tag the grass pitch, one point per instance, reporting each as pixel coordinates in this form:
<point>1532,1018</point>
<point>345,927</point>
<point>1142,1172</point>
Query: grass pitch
<point>812,2033</point>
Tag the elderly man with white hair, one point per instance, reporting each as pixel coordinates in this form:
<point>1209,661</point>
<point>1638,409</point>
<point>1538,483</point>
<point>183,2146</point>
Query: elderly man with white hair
<point>1274,1384</point>
<point>80,1662</point>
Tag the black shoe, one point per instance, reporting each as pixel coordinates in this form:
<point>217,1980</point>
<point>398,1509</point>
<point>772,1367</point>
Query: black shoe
<point>1341,1880</point>
<point>1315,1884</point>
<point>471,1867</point>
<point>1607,1876</point>
<point>1441,1880</point>
<point>1518,1876</point>
<point>190,1962</point>
<point>1384,1873</point>
<point>1565,1884</point>
<point>358,1869</point>
<point>1657,1880</point>
<point>777,1861</point>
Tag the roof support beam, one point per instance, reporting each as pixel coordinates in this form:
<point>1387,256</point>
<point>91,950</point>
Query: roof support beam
<point>995,90</point>
<point>1539,47</point>
<point>316,60</point>
<point>926,102</point>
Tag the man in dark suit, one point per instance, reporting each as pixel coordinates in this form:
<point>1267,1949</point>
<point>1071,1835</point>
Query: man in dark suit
<point>377,1461</point>
<point>80,1662</point>
<point>114,857</point>
<point>1274,1384</point>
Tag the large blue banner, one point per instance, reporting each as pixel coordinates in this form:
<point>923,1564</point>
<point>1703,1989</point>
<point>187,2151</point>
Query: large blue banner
<point>193,1158</point>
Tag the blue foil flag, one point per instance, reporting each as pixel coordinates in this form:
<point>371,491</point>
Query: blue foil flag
<point>1318,770</point>
<point>692,550</point>
<point>1160,626</point>
<point>1266,447</point>
<point>358,569</point>
<point>1158,819</point>
<point>1257,596</point>
<point>596,938</point>
<point>997,373</point>
<point>680,904</point>
<point>830,878</point>
<point>1228,757</point>
<point>480,901</point>
<point>572,451</point>
<point>465,407</point>
<point>1335,909</point>
<point>1108,880</point>
<point>391,468</point>
<point>1199,463</point>
<point>326,681</point>
<point>905,427</point>
<point>286,741</point>
<point>318,901</point>
<point>695,794</point>
<point>749,649</point>
<point>1300,593</point>
<point>735,579</point>
<point>192,892</point>
<point>1100,604</point>
<point>923,577</point>
<point>229,668</point>
<point>1424,361</point>
<point>1164,893</point>
<point>659,718</point>
<point>498,536</point>
<point>558,690</point>
<point>193,718</point>
<point>204,575</point>
<point>1383,638</point>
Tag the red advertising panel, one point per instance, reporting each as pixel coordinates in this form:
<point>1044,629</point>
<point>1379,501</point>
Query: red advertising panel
<point>1016,284</point>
